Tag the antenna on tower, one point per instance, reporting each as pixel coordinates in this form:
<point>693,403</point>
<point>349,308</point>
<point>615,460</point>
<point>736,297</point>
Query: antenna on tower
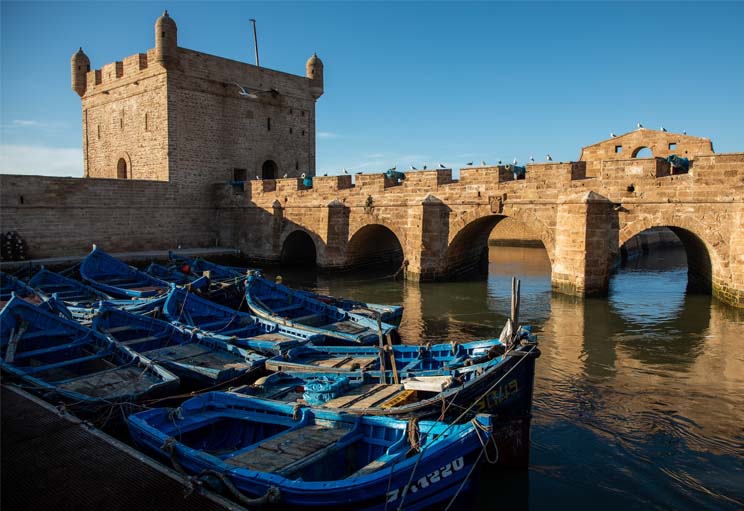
<point>255,40</point>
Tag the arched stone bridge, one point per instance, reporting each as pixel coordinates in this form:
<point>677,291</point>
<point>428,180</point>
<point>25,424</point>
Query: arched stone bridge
<point>582,211</point>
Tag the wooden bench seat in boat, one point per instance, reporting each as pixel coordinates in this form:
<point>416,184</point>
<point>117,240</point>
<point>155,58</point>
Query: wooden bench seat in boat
<point>348,327</point>
<point>198,355</point>
<point>364,396</point>
<point>128,379</point>
<point>287,452</point>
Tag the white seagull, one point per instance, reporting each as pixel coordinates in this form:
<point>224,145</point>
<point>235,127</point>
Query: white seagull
<point>612,135</point>
<point>639,125</point>
<point>515,161</point>
<point>532,159</point>
<point>663,128</point>
<point>413,168</point>
<point>285,176</point>
<point>244,92</point>
<point>483,162</point>
<point>257,178</point>
<point>346,172</point>
<point>550,158</point>
<point>442,166</point>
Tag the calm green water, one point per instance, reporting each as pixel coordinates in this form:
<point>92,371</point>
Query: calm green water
<point>639,397</point>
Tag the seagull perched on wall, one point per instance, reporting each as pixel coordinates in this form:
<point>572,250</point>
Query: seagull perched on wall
<point>499,162</point>
<point>483,162</point>
<point>325,175</point>
<point>244,92</point>
<point>285,175</point>
<point>393,168</point>
<point>424,166</point>
<point>684,133</point>
<point>549,158</point>
<point>469,164</point>
<point>663,129</point>
<point>639,125</point>
<point>612,135</point>
<point>346,172</point>
<point>358,172</point>
<point>257,177</point>
<point>515,161</point>
<point>532,159</point>
<point>442,166</point>
<point>414,168</point>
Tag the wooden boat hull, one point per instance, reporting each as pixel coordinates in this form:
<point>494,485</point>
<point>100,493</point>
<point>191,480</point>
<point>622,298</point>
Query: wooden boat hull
<point>62,360</point>
<point>286,306</point>
<point>73,293</point>
<point>188,310</point>
<point>117,279</point>
<point>197,361</point>
<point>315,459</point>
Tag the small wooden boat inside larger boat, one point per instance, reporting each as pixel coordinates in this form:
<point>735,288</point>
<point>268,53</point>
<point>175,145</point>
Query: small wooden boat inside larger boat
<point>314,459</point>
<point>116,278</point>
<point>61,359</point>
<point>198,360</point>
<point>192,311</point>
<point>276,302</point>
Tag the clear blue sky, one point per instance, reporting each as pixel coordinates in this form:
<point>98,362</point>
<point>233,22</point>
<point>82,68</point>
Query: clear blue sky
<point>407,83</point>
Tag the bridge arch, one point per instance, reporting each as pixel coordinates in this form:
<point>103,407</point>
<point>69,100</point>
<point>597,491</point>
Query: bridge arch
<point>703,260</point>
<point>467,250</point>
<point>298,249</point>
<point>374,244</point>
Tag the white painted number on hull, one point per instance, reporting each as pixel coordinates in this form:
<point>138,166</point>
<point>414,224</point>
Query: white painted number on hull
<point>426,481</point>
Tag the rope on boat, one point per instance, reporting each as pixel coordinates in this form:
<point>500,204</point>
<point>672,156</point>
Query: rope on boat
<point>488,430</point>
<point>169,446</point>
<point>464,480</point>
<point>414,434</point>
<point>297,412</point>
<point>272,495</point>
<point>459,417</point>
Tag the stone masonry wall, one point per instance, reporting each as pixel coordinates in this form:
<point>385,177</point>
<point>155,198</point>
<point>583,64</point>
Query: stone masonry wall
<point>64,216</point>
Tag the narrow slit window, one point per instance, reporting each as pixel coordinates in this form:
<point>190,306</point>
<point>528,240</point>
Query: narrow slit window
<point>146,121</point>
<point>98,130</point>
<point>268,124</point>
<point>290,131</point>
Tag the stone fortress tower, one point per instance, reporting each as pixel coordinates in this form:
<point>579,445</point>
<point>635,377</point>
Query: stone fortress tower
<point>174,114</point>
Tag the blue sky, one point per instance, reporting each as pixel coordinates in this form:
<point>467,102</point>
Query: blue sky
<point>406,83</point>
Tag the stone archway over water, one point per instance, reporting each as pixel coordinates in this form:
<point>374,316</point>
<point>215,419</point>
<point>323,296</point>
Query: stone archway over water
<point>374,245</point>
<point>298,249</point>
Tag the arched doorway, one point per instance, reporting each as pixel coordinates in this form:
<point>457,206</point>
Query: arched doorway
<point>643,152</point>
<point>298,250</point>
<point>374,246</point>
<point>269,170</point>
<point>121,169</point>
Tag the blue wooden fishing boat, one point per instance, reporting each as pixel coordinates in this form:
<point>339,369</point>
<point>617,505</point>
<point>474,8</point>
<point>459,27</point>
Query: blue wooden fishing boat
<point>283,305</point>
<point>306,458</point>
<point>73,293</point>
<point>171,274</point>
<point>390,314</point>
<point>409,359</point>
<point>118,279</point>
<point>499,381</point>
<point>9,286</point>
<point>202,361</point>
<point>189,310</point>
<point>199,266</point>
<point>62,360</point>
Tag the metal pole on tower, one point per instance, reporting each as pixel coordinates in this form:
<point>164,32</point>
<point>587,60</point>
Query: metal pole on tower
<point>255,40</point>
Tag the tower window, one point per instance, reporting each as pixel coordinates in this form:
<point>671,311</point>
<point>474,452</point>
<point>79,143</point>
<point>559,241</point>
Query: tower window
<point>268,124</point>
<point>618,149</point>
<point>303,133</point>
<point>302,113</point>
<point>290,131</point>
<point>297,165</point>
<point>672,146</point>
<point>291,111</point>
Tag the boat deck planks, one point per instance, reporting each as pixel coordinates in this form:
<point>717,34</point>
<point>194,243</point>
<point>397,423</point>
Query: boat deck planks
<point>286,451</point>
<point>119,380</point>
<point>196,355</point>
<point>364,396</point>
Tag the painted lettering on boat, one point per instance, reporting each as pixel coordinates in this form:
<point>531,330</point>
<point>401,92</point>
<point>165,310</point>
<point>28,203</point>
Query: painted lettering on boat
<point>498,396</point>
<point>430,479</point>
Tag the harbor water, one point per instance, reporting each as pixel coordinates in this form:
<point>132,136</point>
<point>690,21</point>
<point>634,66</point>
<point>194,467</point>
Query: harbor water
<point>639,396</point>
